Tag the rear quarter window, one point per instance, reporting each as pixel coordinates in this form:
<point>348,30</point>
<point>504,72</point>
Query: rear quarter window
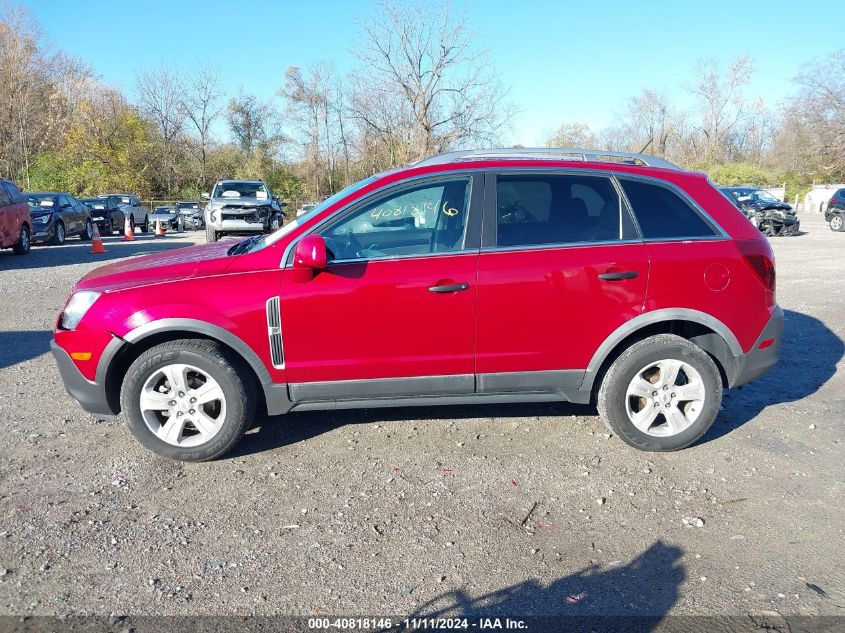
<point>663,214</point>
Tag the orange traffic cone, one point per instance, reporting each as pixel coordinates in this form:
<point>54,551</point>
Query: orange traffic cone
<point>159,229</point>
<point>97,241</point>
<point>128,233</point>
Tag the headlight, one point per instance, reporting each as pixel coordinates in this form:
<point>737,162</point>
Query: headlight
<point>41,219</point>
<point>76,307</point>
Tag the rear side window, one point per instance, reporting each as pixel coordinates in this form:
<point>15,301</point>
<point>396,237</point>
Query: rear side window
<point>663,214</point>
<point>534,209</point>
<point>15,194</point>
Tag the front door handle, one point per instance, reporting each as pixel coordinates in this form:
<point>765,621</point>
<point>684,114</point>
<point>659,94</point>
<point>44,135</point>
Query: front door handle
<point>449,288</point>
<point>628,274</point>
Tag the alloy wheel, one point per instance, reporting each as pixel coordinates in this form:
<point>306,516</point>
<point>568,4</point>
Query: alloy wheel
<point>665,398</point>
<point>182,405</point>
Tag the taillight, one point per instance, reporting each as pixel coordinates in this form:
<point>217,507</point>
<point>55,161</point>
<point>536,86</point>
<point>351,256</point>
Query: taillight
<point>832,200</point>
<point>758,255</point>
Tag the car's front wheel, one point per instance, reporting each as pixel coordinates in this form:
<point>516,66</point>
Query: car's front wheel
<point>211,235</point>
<point>145,227</point>
<point>661,394</point>
<point>188,399</point>
<point>837,223</point>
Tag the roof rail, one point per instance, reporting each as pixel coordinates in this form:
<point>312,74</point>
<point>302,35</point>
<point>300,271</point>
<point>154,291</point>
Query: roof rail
<point>549,153</point>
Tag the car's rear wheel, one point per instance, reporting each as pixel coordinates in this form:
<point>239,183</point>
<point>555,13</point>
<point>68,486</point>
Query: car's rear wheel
<point>661,394</point>
<point>837,223</point>
<point>188,399</point>
<point>23,244</point>
<point>88,232</point>
<point>145,227</point>
<point>211,235</point>
<point>59,235</point>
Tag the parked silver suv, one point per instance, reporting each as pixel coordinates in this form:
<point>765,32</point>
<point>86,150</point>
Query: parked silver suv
<point>241,207</point>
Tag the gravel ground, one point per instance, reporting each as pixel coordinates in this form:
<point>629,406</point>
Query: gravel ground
<point>516,509</point>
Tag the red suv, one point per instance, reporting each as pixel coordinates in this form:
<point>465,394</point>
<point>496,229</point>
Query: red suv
<point>480,276</point>
<point>15,222</point>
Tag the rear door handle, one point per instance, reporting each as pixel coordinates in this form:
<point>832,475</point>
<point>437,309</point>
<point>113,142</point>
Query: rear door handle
<point>628,274</point>
<point>449,288</point>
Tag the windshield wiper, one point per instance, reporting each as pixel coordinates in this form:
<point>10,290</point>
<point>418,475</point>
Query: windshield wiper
<point>244,246</point>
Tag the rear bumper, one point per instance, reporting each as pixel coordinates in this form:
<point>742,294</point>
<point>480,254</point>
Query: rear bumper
<point>90,395</point>
<point>758,361</point>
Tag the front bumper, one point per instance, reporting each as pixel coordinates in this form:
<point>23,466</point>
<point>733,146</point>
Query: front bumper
<point>42,232</point>
<point>90,395</point>
<point>238,226</point>
<point>758,361</point>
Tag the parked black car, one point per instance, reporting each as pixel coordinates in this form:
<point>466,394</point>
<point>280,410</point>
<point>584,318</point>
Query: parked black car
<point>772,216</point>
<point>834,214</point>
<point>106,214</point>
<point>57,215</point>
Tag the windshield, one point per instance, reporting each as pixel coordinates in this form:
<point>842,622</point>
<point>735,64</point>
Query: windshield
<point>240,190</point>
<point>267,240</point>
<point>188,205</point>
<point>39,202</point>
<point>118,199</point>
<point>94,203</point>
<point>753,195</point>
<point>764,195</point>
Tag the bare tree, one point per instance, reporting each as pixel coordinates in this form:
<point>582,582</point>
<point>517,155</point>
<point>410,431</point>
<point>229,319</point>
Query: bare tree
<point>428,60</point>
<point>820,112</point>
<point>721,104</point>
<point>252,123</point>
<point>573,135</point>
<point>202,106</point>
<point>160,98</point>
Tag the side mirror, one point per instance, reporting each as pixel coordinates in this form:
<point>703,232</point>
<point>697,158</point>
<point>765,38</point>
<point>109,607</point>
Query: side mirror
<point>206,195</point>
<point>310,253</point>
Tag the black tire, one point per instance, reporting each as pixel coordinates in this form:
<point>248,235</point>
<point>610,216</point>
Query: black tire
<point>24,244</point>
<point>276,223</point>
<point>227,369</point>
<point>611,399</point>
<point>112,227</point>
<point>131,223</point>
<point>211,235</point>
<point>837,222</point>
<point>87,233</point>
<point>145,227</point>
<point>59,234</point>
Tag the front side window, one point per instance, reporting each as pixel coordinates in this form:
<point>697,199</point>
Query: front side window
<point>663,214</point>
<point>534,209</point>
<point>428,218</point>
<point>4,197</point>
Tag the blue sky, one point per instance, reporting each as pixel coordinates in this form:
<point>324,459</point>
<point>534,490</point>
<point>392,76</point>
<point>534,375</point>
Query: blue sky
<point>562,61</point>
